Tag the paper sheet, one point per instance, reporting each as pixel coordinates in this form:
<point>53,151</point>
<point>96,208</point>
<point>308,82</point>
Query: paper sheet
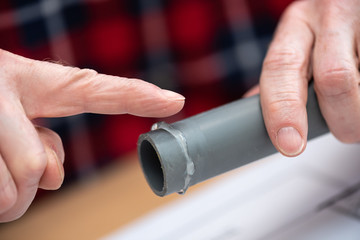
<point>274,198</point>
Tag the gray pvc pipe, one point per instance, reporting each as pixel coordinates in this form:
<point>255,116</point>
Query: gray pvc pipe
<point>178,155</point>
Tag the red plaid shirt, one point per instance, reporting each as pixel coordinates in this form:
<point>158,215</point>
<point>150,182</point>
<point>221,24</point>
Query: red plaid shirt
<point>210,51</point>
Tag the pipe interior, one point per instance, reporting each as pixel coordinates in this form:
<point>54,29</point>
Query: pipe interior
<point>151,166</point>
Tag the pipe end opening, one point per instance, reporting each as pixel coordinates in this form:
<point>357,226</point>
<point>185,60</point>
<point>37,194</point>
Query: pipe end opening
<point>152,167</point>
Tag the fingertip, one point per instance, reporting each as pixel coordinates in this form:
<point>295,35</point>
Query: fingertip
<point>175,102</point>
<point>173,96</point>
<point>53,176</point>
<point>51,141</point>
<point>290,142</point>
<point>167,108</point>
<point>156,102</point>
<point>287,125</point>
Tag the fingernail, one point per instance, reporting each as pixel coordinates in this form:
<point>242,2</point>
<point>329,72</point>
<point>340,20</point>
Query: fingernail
<point>52,154</point>
<point>173,95</point>
<point>289,141</point>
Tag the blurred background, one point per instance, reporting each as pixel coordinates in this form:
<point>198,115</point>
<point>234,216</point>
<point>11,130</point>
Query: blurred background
<point>209,51</point>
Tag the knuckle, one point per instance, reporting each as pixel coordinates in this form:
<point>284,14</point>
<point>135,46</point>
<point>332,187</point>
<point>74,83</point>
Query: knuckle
<point>38,162</point>
<point>285,104</point>
<point>34,167</point>
<point>282,105</point>
<point>81,73</point>
<point>284,58</point>
<point>336,81</point>
<point>83,80</point>
<point>80,78</point>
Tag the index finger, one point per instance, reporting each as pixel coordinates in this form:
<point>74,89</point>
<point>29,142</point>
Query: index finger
<point>52,90</point>
<point>283,83</point>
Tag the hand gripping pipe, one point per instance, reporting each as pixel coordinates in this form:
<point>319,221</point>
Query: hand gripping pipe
<point>178,155</point>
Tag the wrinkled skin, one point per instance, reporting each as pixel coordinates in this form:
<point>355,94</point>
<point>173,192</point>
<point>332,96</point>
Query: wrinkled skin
<point>32,157</point>
<point>315,38</point>
<point>319,39</point>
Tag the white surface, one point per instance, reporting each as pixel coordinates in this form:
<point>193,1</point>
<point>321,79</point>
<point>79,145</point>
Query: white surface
<point>275,198</point>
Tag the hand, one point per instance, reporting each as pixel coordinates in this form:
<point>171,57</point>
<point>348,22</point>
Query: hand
<point>31,157</point>
<point>318,38</point>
